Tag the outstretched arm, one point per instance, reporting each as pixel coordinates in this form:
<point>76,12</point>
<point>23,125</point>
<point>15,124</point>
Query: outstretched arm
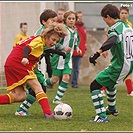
<point>106,46</point>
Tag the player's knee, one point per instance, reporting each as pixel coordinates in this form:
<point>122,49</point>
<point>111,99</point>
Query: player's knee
<point>54,81</point>
<point>66,77</point>
<point>95,86</point>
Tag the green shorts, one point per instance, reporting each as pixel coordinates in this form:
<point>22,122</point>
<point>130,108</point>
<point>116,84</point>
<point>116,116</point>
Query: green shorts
<point>60,72</point>
<point>103,79</point>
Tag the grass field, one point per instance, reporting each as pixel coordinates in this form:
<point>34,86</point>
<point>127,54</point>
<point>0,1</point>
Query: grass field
<point>80,101</point>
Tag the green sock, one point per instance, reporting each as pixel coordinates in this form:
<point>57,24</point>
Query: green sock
<point>111,98</point>
<point>27,103</point>
<point>61,90</point>
<point>47,81</point>
<point>98,103</point>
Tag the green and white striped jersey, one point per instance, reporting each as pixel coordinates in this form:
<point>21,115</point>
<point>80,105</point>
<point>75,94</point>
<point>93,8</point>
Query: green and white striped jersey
<point>121,51</point>
<point>39,31</point>
<point>72,40</point>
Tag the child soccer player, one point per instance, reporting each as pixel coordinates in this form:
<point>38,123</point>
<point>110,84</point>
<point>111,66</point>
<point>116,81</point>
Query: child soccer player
<point>120,43</point>
<point>124,14</point>
<point>47,17</point>
<point>63,67</point>
<point>19,70</point>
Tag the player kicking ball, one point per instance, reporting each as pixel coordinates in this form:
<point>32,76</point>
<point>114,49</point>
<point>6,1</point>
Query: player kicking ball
<point>120,37</point>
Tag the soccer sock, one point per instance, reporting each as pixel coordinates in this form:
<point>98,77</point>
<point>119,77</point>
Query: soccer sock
<point>61,90</point>
<point>43,101</point>
<point>128,83</point>
<point>47,81</point>
<point>111,99</point>
<point>6,99</point>
<point>98,103</point>
<point>27,103</point>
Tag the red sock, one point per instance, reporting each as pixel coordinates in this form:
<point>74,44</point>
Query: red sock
<point>43,101</point>
<point>103,88</point>
<point>128,83</point>
<point>6,99</point>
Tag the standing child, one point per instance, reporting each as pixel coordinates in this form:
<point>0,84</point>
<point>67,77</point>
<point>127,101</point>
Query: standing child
<point>120,43</point>
<point>63,67</point>
<point>20,68</point>
<point>23,34</point>
<point>76,58</point>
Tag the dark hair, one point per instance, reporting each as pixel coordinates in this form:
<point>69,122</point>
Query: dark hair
<point>61,9</point>
<point>124,8</point>
<point>21,24</point>
<point>79,12</point>
<point>68,13</point>
<point>46,14</point>
<point>110,10</point>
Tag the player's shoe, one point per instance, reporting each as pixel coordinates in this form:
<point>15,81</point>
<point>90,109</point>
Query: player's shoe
<point>99,119</point>
<point>131,94</point>
<point>49,115</point>
<point>22,113</point>
<point>115,112</point>
<point>55,101</point>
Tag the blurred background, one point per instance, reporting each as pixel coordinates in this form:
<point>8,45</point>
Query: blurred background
<point>13,13</point>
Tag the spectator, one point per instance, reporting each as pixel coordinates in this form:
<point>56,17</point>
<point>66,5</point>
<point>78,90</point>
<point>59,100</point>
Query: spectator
<point>76,58</point>
<point>23,34</point>
<point>60,15</point>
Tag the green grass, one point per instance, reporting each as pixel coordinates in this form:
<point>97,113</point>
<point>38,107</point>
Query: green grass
<point>80,101</point>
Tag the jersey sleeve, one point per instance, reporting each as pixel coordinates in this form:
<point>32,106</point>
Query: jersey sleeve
<point>37,46</point>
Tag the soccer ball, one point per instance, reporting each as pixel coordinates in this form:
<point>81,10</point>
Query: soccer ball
<point>63,111</point>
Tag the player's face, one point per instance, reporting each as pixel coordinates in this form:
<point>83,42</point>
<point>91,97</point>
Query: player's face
<point>60,15</point>
<point>24,29</point>
<point>124,15</point>
<point>108,20</point>
<point>70,20</point>
<point>49,21</point>
<point>52,40</point>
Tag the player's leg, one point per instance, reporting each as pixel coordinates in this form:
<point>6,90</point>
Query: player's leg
<point>41,97</point>
<point>31,97</point>
<point>98,102</point>
<point>16,95</point>
<point>111,101</point>
<point>54,79</point>
<point>63,86</point>
<point>102,79</point>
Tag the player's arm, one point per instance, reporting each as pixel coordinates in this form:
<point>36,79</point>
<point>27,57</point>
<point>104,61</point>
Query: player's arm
<point>106,46</point>
<point>55,51</point>
<point>26,52</point>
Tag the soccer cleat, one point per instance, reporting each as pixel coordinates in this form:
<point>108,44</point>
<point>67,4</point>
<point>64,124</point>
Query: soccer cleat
<point>115,112</point>
<point>57,101</point>
<point>99,119</point>
<point>49,115</point>
<point>131,94</point>
<point>22,113</point>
